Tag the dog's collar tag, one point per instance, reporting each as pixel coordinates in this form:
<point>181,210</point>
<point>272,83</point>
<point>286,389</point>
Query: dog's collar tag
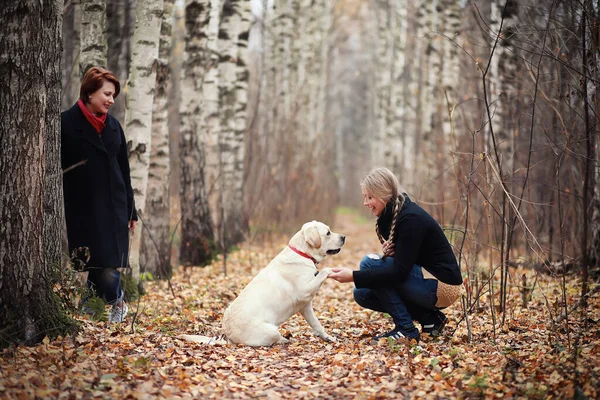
<point>303,254</point>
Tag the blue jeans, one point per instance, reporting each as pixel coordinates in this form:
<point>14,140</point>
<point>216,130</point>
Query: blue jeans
<point>413,299</point>
<point>106,283</point>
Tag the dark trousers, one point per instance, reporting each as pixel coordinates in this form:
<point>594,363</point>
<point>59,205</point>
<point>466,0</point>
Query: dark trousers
<point>413,299</point>
<point>106,284</point>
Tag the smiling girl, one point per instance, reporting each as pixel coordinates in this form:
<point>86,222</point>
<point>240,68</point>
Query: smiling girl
<point>417,275</point>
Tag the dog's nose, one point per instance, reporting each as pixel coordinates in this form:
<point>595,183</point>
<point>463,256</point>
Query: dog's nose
<point>343,238</point>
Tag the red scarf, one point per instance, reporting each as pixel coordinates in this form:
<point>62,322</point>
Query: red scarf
<point>97,122</point>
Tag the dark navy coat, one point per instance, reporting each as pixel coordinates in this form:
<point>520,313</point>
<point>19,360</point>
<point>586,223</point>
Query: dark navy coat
<point>98,194</point>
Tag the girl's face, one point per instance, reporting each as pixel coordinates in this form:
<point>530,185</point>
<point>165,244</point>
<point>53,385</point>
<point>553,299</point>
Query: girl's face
<point>101,100</point>
<point>372,203</point>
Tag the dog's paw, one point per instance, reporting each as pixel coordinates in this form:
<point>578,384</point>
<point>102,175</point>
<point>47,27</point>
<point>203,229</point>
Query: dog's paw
<point>329,338</point>
<point>326,272</point>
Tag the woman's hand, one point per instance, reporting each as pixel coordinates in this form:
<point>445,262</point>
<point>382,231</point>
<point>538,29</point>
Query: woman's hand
<point>388,248</point>
<point>342,275</point>
<point>132,225</point>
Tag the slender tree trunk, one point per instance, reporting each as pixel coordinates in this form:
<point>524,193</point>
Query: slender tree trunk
<point>138,114</point>
<point>587,163</point>
<point>155,236</point>
<point>209,117</point>
<point>231,139</point>
<point>197,238</point>
<point>382,79</point>
<point>240,115</point>
<point>30,177</point>
<point>411,91</point>
<point>93,35</point>
<point>71,54</point>
<point>120,20</point>
<point>595,206</point>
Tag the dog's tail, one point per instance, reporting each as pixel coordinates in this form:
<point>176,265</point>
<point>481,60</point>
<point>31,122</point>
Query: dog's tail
<point>220,339</point>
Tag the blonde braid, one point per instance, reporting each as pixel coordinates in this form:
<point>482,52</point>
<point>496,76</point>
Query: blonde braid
<point>381,240</point>
<point>392,237</point>
<point>398,203</point>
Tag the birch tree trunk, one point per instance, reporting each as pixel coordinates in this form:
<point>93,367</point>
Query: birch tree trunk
<point>71,52</point>
<point>209,137</point>
<point>231,138</point>
<point>239,215</point>
<point>30,176</point>
<point>397,102</point>
<point>93,35</point>
<point>155,238</point>
<point>432,95</point>
<point>197,238</point>
<point>411,93</point>
<point>505,64</point>
<point>382,79</point>
<point>422,90</point>
<point>138,113</point>
<point>120,20</point>
<point>451,70</point>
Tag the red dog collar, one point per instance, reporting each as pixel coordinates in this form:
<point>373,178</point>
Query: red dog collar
<point>303,254</point>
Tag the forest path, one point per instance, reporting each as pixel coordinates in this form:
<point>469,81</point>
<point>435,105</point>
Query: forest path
<point>529,357</point>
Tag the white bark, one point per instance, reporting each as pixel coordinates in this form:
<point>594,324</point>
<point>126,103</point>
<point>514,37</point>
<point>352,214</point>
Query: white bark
<point>322,81</point>
<point>155,235</point>
<point>231,137</point>
<point>197,242</point>
<point>504,92</point>
<point>138,112</point>
<point>382,81</point>
<point>240,116</point>
<point>432,94</point>
<point>93,35</point>
<point>209,136</point>
<point>72,44</point>
<point>451,70</point>
<point>393,153</point>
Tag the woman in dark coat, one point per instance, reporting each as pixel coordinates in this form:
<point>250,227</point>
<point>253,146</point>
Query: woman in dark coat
<point>99,205</point>
<point>418,274</point>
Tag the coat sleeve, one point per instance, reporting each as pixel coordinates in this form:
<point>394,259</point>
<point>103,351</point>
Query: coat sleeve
<point>410,232</point>
<point>123,160</point>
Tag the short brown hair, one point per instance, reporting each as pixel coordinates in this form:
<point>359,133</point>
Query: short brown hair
<point>94,79</point>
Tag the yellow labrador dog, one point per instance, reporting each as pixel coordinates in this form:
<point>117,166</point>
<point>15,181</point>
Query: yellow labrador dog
<point>284,287</point>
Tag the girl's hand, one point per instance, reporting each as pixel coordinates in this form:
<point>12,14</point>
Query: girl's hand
<point>388,248</point>
<point>342,275</point>
<point>132,225</point>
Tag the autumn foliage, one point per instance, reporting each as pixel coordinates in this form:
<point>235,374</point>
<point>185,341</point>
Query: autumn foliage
<point>530,356</point>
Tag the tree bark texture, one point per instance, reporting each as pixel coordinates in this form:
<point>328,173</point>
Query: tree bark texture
<point>155,236</point>
<point>30,174</point>
<point>93,35</point>
<point>71,52</point>
<point>231,137</point>
<point>197,238</point>
<point>138,113</point>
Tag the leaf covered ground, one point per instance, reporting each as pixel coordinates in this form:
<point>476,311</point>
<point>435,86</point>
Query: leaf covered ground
<point>528,357</point>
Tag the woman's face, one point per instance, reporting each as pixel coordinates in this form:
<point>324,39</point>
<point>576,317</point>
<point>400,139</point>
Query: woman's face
<point>372,203</point>
<point>101,100</point>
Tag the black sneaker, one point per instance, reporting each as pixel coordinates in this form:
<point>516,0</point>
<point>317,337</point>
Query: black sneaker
<point>400,333</point>
<point>435,324</point>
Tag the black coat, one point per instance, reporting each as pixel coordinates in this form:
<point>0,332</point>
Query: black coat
<point>419,240</point>
<point>98,194</point>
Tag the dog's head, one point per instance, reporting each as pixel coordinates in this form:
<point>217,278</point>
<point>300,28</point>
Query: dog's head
<point>316,239</point>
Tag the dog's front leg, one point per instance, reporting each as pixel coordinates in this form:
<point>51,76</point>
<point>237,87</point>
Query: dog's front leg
<point>309,315</point>
<point>313,285</point>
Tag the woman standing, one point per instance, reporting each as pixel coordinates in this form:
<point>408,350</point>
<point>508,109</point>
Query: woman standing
<point>99,205</point>
<point>418,274</point>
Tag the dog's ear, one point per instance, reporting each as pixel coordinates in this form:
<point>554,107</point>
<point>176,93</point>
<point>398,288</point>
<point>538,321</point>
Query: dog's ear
<point>312,237</point>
